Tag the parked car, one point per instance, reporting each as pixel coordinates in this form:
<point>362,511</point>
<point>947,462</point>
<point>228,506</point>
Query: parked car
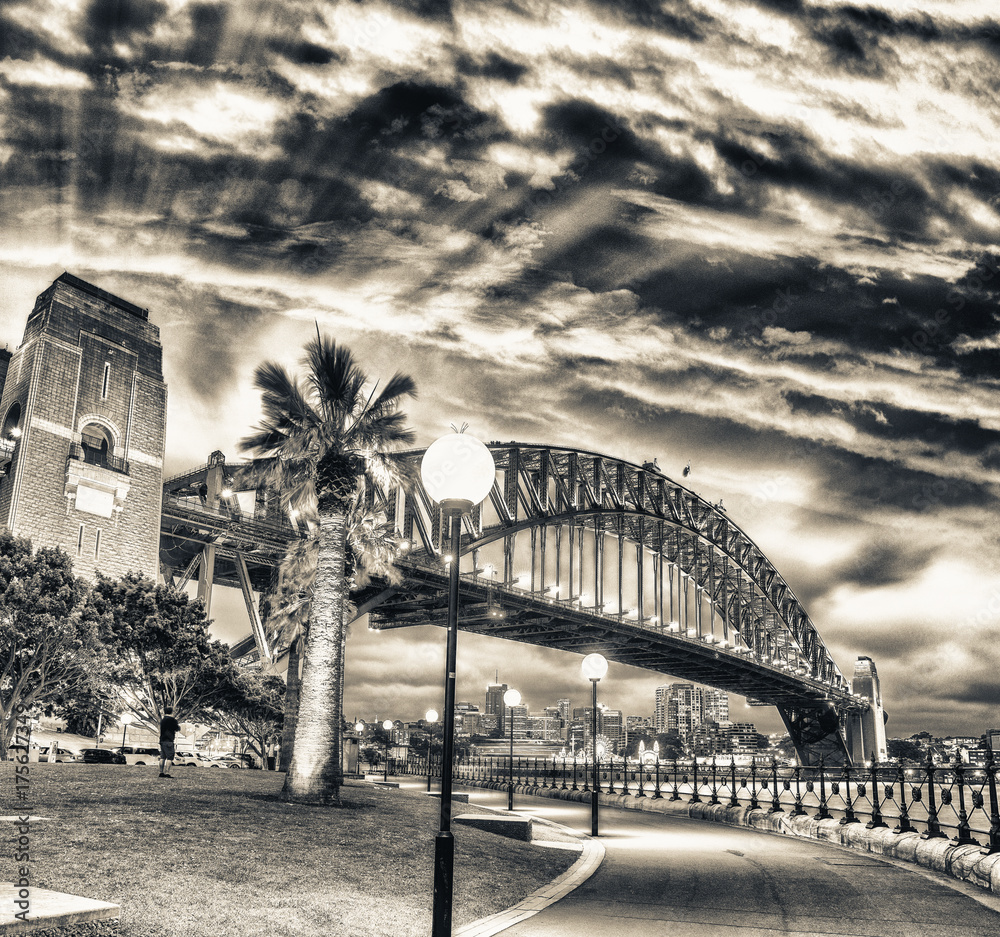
<point>227,761</point>
<point>191,760</point>
<point>102,756</point>
<point>61,754</point>
<point>139,756</point>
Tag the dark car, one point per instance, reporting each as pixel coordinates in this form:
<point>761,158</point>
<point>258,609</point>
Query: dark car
<point>101,756</point>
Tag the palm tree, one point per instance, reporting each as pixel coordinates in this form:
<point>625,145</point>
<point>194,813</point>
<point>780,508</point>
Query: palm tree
<point>321,440</point>
<point>372,545</point>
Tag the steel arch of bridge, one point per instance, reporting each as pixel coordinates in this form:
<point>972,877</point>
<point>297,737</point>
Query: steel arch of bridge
<point>581,551</point>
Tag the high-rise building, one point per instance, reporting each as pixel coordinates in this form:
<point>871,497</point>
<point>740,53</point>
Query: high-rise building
<point>564,706</point>
<point>519,718</point>
<point>660,713</point>
<point>685,704</point>
<point>545,726</point>
<point>488,723</point>
<point>613,729</point>
<point>715,706</point>
<point>82,429</point>
<point>495,705</point>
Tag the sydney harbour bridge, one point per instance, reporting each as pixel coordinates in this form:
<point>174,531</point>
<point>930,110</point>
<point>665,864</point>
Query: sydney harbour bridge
<point>572,550</point>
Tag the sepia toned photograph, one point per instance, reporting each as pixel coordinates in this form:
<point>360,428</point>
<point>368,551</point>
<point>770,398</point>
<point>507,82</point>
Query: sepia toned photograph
<point>511,467</point>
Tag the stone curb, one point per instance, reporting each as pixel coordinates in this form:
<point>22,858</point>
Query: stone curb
<point>966,863</point>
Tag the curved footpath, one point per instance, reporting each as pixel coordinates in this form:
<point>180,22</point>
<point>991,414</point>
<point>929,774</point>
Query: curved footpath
<point>967,863</point>
<point>665,874</point>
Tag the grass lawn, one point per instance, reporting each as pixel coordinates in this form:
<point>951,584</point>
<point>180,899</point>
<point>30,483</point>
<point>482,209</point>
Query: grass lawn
<point>214,853</point>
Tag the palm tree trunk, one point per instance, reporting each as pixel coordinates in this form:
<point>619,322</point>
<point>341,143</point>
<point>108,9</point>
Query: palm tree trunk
<point>316,772</point>
<point>293,682</point>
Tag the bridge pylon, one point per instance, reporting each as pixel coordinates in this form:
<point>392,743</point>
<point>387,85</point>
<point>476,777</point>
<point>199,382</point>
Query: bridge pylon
<point>865,729</point>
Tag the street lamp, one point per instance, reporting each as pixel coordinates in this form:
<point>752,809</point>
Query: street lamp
<point>430,716</point>
<point>387,725</point>
<point>594,668</point>
<point>126,720</point>
<point>359,727</point>
<point>512,698</point>
<point>458,472</point>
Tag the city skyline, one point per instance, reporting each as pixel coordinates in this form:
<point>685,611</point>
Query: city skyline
<point>756,241</point>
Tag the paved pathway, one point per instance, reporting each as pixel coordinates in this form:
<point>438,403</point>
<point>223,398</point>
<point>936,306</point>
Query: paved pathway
<point>676,877</point>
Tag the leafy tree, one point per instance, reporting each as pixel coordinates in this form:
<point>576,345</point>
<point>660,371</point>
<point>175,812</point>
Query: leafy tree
<point>88,704</point>
<point>906,750</point>
<point>160,650</point>
<point>46,646</point>
<point>671,745</point>
<point>251,706</point>
<point>319,441</point>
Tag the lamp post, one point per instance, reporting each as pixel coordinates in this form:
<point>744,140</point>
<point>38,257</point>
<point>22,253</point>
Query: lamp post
<point>457,472</point>
<point>126,720</point>
<point>359,727</point>
<point>387,725</point>
<point>431,716</point>
<point>594,668</point>
<point>511,698</point>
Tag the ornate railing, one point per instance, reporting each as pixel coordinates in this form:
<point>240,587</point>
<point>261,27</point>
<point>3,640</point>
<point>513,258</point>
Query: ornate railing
<point>91,456</point>
<point>953,800</point>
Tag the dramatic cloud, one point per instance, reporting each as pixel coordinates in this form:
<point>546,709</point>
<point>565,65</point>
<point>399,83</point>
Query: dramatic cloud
<point>757,237</point>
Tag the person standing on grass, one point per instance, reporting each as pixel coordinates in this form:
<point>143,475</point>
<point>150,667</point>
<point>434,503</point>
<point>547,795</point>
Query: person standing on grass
<point>169,727</point>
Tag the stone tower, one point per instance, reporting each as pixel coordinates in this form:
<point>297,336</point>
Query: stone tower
<point>866,731</point>
<point>83,416</point>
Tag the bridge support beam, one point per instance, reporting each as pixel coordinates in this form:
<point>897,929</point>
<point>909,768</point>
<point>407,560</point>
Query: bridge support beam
<point>816,735</point>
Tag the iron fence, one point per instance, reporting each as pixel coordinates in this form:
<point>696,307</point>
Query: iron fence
<point>953,800</point>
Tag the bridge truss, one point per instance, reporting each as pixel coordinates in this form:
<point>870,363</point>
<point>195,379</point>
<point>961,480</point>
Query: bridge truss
<point>582,552</point>
<point>206,533</point>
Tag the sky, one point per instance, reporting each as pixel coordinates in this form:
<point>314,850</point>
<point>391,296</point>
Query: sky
<point>758,237</point>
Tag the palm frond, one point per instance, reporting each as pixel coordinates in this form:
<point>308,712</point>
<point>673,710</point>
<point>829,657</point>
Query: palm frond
<point>335,378</point>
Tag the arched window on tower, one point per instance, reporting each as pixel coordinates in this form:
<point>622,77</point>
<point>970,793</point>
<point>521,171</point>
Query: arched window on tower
<point>96,444</point>
<point>12,423</point>
<point>9,435</point>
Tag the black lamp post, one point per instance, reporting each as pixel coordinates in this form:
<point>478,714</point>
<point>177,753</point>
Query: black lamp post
<point>512,698</point>
<point>594,667</point>
<point>430,717</point>
<point>457,472</point>
<point>387,725</point>
<point>359,727</point>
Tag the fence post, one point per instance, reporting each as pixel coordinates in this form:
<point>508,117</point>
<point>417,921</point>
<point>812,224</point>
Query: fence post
<point>675,795</point>
<point>695,799</point>
<point>656,793</point>
<point>933,826</point>
<point>824,813</point>
<point>876,820</point>
<point>850,817</point>
<point>564,788</point>
<point>798,811</point>
<point>715,786</point>
<point>964,837</point>
<point>994,844</point>
<point>904,825</point>
<point>775,797</point>
<point>641,792</point>
<point>733,800</point>
<point>754,804</point>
